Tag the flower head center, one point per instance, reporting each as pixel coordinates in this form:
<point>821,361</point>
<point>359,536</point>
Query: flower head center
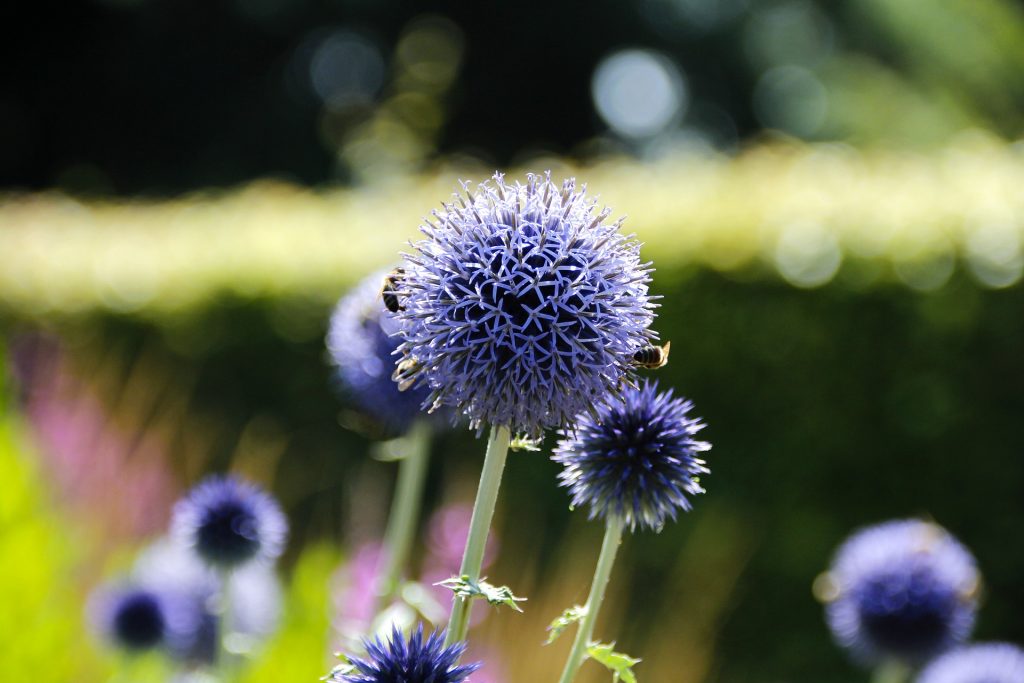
<point>139,622</point>
<point>229,532</point>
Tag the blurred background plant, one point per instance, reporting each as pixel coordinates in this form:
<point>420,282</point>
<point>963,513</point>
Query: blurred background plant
<point>831,193</point>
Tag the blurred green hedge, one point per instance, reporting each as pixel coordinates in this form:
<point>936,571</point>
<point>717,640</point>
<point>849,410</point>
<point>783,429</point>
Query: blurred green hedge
<point>799,211</point>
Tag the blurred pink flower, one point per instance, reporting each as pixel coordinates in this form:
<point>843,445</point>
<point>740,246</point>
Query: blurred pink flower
<point>85,452</point>
<point>354,590</point>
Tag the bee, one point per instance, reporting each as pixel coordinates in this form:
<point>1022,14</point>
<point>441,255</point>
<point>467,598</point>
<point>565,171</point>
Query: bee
<point>405,373</point>
<point>522,442</point>
<point>652,357</point>
<point>389,290</point>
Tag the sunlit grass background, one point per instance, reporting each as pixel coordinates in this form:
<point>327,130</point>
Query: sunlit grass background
<point>840,258</point>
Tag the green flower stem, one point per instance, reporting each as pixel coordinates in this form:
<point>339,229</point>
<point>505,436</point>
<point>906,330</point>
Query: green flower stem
<point>585,631</point>
<point>405,509</point>
<point>228,660</point>
<point>891,671</point>
<point>479,527</point>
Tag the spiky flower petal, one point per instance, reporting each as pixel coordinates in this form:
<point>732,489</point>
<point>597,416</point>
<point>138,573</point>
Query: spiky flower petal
<point>983,663</point>
<point>420,660</point>
<point>362,347</point>
<point>523,306</point>
<point>229,522</point>
<point>903,590</point>
<point>637,460</point>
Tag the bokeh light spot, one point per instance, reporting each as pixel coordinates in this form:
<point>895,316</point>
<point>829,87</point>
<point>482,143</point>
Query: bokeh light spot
<point>807,255</point>
<point>994,253</point>
<point>346,69</point>
<point>638,93</point>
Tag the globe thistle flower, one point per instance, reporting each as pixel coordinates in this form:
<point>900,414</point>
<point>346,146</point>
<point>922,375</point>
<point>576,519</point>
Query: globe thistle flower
<point>178,573</point>
<point>637,460</point>
<point>523,306</point>
<point>420,660</point>
<point>138,615</point>
<point>361,345</point>
<point>903,590</point>
<point>229,522</point>
<point>983,663</point>
<point>131,617</point>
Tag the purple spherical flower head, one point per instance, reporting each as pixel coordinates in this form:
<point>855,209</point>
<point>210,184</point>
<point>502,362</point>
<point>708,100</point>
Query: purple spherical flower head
<point>420,660</point>
<point>131,617</point>
<point>982,663</point>
<point>229,522</point>
<point>523,306</point>
<point>138,615</point>
<point>637,460</point>
<point>193,587</point>
<point>903,590</point>
<point>361,345</point>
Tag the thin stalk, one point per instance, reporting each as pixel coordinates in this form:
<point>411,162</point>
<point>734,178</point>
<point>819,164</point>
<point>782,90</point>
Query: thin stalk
<point>891,671</point>
<point>228,660</point>
<point>585,631</point>
<point>479,526</point>
<point>405,509</point>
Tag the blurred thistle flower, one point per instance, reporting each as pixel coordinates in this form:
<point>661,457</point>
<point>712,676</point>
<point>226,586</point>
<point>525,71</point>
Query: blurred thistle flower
<point>229,522</point>
<point>176,572</point>
<point>904,590</point>
<point>361,345</point>
<point>522,307</point>
<point>420,660</point>
<point>131,617</point>
<point>637,460</point>
<point>982,663</point>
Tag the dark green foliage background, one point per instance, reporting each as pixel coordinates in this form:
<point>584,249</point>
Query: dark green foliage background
<point>828,409</point>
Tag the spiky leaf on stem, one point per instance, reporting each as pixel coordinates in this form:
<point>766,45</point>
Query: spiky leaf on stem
<point>620,664</point>
<point>566,619</point>
<point>464,587</point>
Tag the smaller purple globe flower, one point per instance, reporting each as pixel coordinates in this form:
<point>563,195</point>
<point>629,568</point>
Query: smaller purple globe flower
<point>637,460</point>
<point>423,659</point>
<point>137,616</point>
<point>192,587</point>
<point>228,523</point>
<point>361,345</point>
<point>131,617</point>
<point>903,590</point>
<point>982,663</point>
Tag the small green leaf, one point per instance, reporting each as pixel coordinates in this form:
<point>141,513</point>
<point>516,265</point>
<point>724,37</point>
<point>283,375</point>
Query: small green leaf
<point>620,664</point>
<point>464,587</point>
<point>564,621</point>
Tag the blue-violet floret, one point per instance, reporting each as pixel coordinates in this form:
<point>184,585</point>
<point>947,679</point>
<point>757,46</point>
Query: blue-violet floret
<point>229,522</point>
<point>638,459</point>
<point>903,590</point>
<point>193,587</point>
<point>131,617</point>
<point>523,306</point>
<point>421,659</point>
<point>981,663</point>
<point>361,344</point>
